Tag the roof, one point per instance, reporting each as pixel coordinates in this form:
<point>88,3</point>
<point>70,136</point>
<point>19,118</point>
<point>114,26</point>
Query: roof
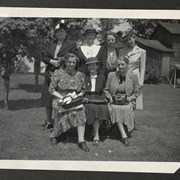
<point>155,44</point>
<point>173,28</point>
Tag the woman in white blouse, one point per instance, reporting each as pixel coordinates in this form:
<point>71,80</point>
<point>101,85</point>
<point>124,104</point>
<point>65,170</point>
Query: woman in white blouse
<point>90,49</point>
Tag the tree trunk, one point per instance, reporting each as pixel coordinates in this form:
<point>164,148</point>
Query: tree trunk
<point>6,92</point>
<point>36,73</point>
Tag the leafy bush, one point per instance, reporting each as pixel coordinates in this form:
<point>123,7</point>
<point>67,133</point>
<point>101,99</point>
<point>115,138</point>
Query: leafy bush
<point>152,75</point>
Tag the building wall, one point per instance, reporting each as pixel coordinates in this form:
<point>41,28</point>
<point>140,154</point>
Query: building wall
<point>156,58</point>
<point>153,57</point>
<point>169,40</point>
<point>176,49</point>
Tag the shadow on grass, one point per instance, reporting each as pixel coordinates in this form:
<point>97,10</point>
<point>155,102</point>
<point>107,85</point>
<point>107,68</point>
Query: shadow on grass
<point>71,135</point>
<point>24,104</point>
<point>29,87</point>
<point>1,104</point>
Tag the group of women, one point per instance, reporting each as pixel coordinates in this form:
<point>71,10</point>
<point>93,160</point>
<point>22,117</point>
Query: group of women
<point>91,84</point>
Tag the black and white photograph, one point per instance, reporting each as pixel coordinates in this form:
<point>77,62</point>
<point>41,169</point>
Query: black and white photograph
<point>90,89</point>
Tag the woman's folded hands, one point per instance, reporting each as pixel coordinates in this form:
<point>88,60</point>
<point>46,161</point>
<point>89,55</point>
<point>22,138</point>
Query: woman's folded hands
<point>68,98</point>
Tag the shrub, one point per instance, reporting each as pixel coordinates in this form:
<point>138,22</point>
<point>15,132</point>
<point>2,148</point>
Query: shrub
<point>152,75</point>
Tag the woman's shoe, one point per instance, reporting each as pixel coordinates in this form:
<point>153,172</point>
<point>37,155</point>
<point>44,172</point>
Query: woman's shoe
<point>49,125</point>
<point>125,142</point>
<point>53,141</point>
<point>83,146</point>
<point>96,142</point>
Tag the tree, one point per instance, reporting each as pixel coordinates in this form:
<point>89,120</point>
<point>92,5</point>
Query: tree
<point>145,27</point>
<point>28,37</point>
<point>22,36</point>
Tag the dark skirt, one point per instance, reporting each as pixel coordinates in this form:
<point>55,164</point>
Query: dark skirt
<point>96,112</point>
<point>46,97</point>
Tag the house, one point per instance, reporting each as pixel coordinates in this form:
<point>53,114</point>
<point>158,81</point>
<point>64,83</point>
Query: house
<point>157,55</point>
<point>169,35</point>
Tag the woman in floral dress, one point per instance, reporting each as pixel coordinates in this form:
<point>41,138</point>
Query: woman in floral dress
<point>65,83</point>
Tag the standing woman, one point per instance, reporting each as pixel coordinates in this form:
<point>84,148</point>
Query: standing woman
<point>90,49</point>
<point>121,90</point>
<point>97,109</point>
<point>52,57</point>
<point>112,53</point>
<point>67,83</point>
<point>137,62</point>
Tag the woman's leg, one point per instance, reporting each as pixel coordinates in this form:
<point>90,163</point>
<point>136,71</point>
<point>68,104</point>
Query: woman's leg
<point>81,141</point>
<point>121,129</point>
<point>49,114</point>
<point>55,133</point>
<point>96,125</point>
<point>123,134</point>
<point>81,131</point>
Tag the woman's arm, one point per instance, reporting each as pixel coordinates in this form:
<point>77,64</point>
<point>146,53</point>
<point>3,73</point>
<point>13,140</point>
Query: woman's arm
<point>45,56</point>
<point>136,88</point>
<point>142,67</point>
<point>54,85</point>
<point>107,88</point>
<point>82,92</point>
<point>47,59</point>
<point>103,86</point>
<point>58,95</point>
<point>103,60</point>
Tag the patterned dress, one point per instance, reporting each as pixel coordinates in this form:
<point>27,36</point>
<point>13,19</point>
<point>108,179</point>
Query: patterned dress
<point>130,87</point>
<point>65,83</point>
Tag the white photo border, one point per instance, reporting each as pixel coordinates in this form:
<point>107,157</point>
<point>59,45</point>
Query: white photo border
<point>108,166</point>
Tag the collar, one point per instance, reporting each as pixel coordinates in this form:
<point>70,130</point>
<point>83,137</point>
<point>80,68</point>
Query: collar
<point>134,50</point>
<point>93,76</point>
<point>93,45</point>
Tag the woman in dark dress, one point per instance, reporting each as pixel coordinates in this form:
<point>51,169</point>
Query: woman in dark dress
<point>66,84</point>
<point>96,109</point>
<point>90,49</point>
<point>52,57</point>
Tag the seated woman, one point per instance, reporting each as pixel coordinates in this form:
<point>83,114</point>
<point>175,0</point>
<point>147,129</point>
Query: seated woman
<point>122,85</point>
<point>65,83</point>
<point>96,109</point>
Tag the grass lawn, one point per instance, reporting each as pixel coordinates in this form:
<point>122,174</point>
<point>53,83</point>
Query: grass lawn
<point>157,137</point>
